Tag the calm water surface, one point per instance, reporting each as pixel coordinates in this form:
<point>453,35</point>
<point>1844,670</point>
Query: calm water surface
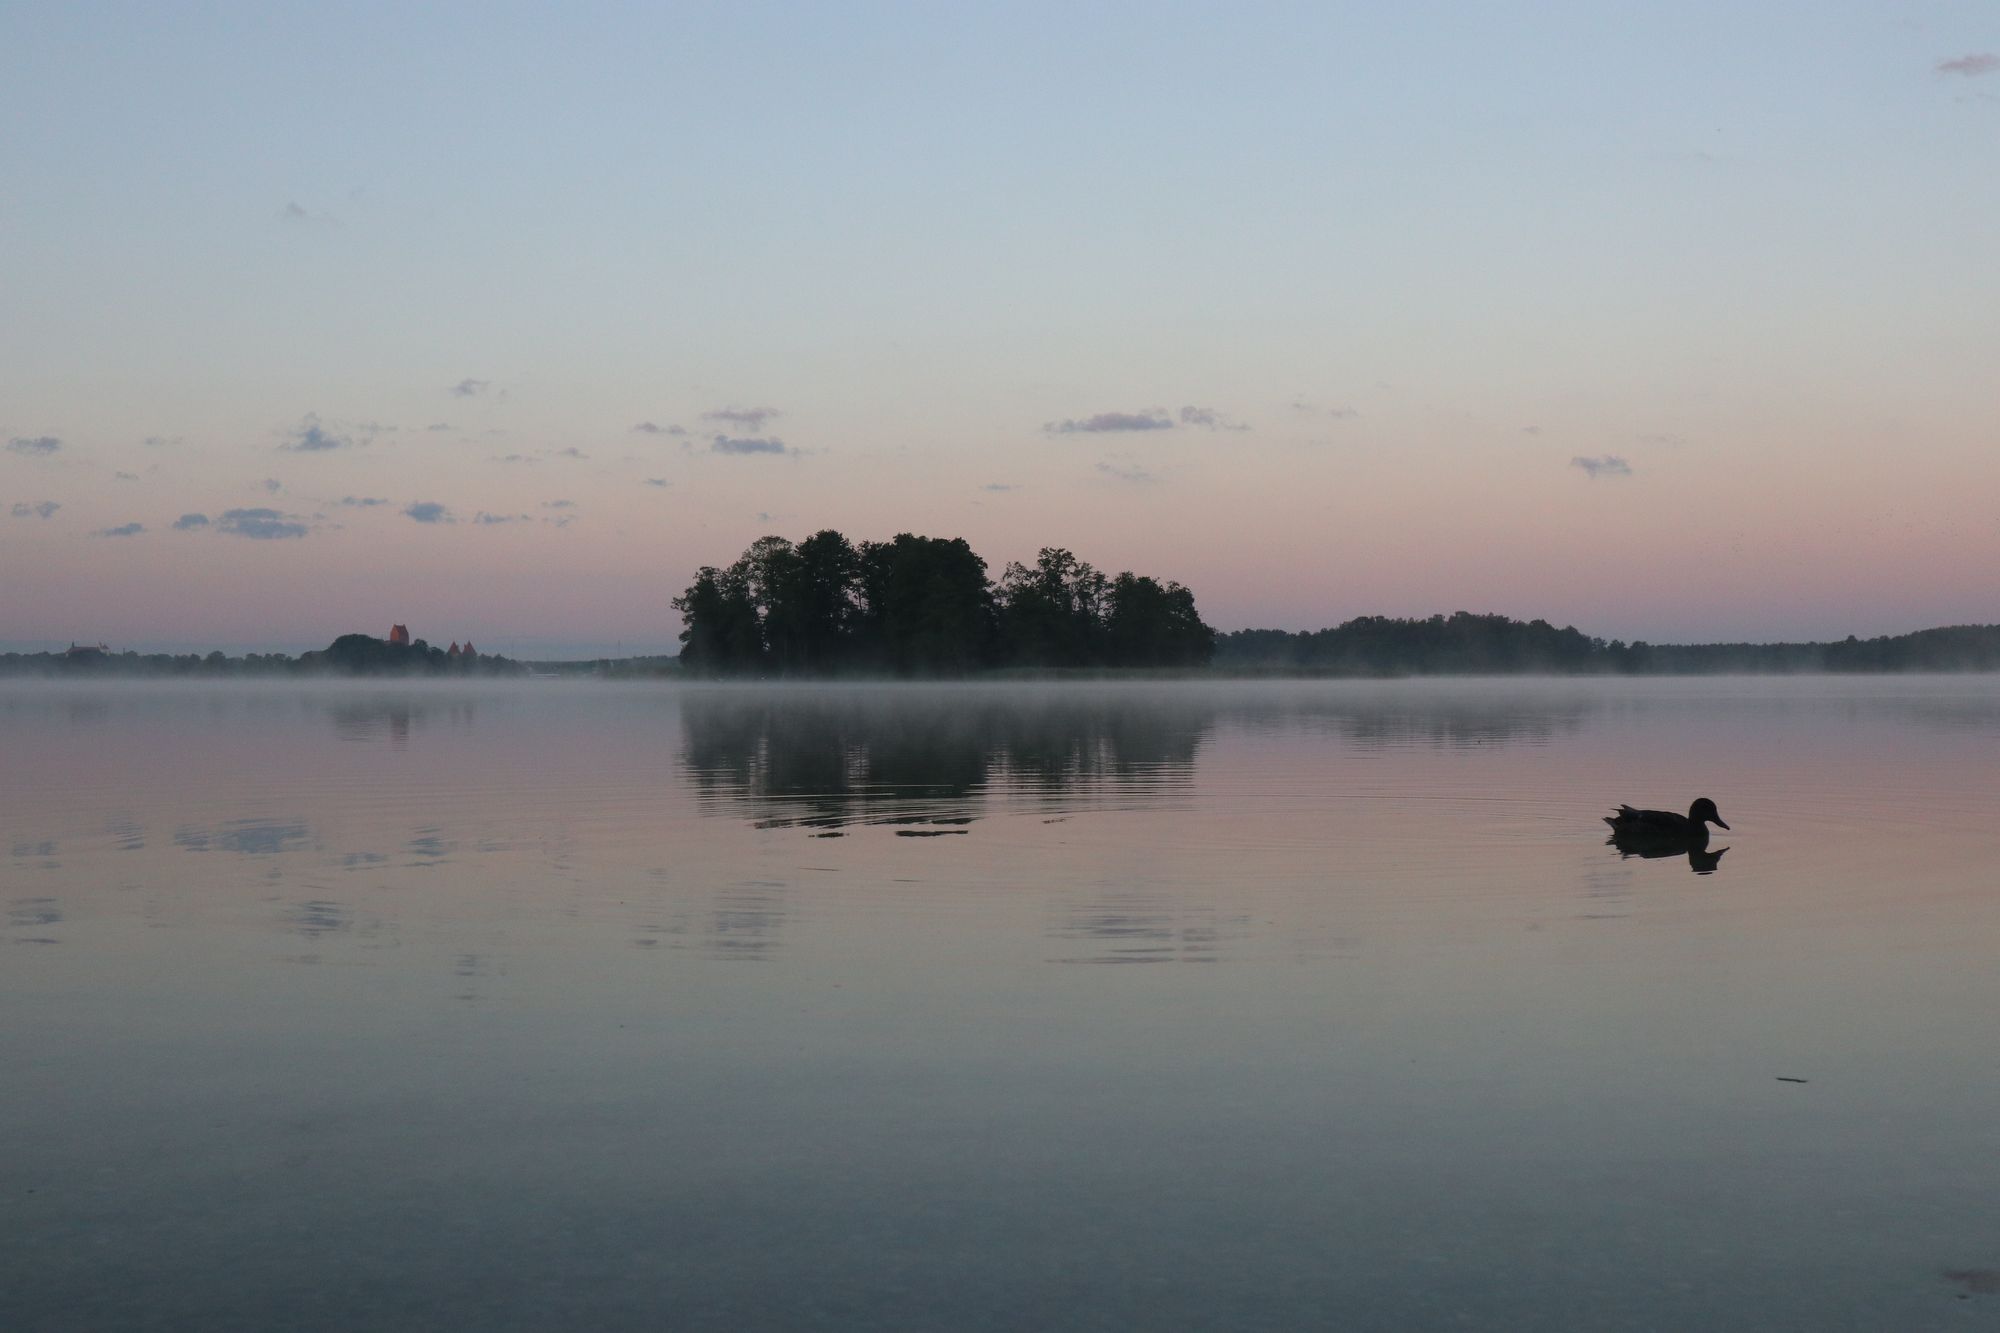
<point>1251,1007</point>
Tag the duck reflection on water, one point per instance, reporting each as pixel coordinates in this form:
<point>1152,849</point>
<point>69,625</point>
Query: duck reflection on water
<point>1701,859</point>
<point>1658,834</point>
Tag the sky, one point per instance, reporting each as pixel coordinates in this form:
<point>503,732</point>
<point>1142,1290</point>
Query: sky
<point>1669,322</point>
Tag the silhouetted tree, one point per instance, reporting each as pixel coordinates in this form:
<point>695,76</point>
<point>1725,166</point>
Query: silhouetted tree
<point>927,608</point>
<point>1150,624</point>
<point>1053,614</point>
<point>721,634</point>
<point>821,601</point>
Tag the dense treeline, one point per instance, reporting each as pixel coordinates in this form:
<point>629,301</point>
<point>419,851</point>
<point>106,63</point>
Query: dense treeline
<point>1468,644</point>
<point>1949,648</point>
<point>923,606</point>
<point>348,655</point>
<point>1462,643</point>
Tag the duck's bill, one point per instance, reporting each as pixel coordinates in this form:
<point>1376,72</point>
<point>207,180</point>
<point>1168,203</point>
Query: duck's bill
<point>1719,824</point>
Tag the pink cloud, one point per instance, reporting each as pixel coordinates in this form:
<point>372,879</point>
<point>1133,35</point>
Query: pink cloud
<point>1972,66</point>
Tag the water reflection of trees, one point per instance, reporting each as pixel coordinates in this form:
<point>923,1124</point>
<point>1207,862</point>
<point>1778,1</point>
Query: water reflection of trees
<point>392,718</point>
<point>1459,726</point>
<point>836,757</point>
<point>1133,926</point>
<point>373,719</point>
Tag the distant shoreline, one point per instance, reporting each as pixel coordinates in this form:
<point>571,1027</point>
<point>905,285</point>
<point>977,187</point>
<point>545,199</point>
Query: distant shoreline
<point>1370,648</point>
<point>647,669</point>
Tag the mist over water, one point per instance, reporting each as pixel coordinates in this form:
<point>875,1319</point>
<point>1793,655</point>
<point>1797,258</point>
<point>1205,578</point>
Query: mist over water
<point>514,1005</point>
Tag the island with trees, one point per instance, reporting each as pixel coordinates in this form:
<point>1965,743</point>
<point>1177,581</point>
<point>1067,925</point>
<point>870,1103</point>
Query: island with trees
<point>924,606</point>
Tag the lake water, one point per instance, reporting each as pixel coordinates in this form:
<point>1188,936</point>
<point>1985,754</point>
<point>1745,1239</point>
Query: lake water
<point>1262,1006</point>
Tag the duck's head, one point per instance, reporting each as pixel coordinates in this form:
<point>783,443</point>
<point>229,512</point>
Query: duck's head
<point>1703,811</point>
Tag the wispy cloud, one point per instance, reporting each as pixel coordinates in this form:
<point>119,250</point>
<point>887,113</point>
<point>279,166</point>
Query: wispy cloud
<point>658,481</point>
<point>654,428</point>
<point>1312,409</point>
<point>189,522</point>
<point>469,388</point>
<point>161,441</point>
<point>749,418</point>
<point>427,511</point>
<point>558,504</point>
<point>438,426</point>
<point>999,486</point>
<point>299,215</point>
<point>571,452</point>
<point>486,520</point>
<point>39,509</point>
<point>1126,472</point>
<point>514,458</point>
<point>311,436</point>
<point>272,485</point>
<point>259,524</point>
<point>1605,465</point>
<point>731,444</point>
<point>1970,66</point>
<point>360,501</point>
<point>1153,418</point>
<point>34,446</point>
<point>122,530</point>
<point>1209,419</point>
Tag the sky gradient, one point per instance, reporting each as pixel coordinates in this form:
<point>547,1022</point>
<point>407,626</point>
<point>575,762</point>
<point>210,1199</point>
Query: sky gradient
<point>1672,323</point>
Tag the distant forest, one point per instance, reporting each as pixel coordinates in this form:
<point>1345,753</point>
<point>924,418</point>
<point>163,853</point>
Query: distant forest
<point>1468,644</point>
<point>923,606</point>
<point>348,655</point>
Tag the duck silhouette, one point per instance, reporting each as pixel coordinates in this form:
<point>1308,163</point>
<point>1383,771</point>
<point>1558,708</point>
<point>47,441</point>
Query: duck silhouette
<point>1655,834</point>
<point>1690,827</point>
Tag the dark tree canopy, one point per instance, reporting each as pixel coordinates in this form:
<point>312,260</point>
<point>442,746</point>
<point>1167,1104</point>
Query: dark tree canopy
<point>722,634</point>
<point>1155,624</point>
<point>923,606</point>
<point>926,606</point>
<point>1459,644</point>
<point>1054,613</point>
<point>1467,644</point>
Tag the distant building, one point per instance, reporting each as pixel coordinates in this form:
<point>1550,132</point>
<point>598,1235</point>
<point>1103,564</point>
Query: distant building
<point>88,650</point>
<point>399,636</point>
